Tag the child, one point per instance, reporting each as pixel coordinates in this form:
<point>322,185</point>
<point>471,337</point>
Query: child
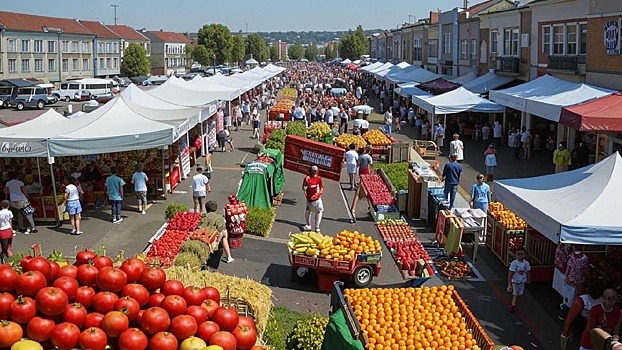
<point>518,276</point>
<point>6,229</point>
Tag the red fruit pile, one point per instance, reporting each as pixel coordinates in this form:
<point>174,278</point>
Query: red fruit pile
<point>92,304</point>
<point>184,221</point>
<point>167,247</point>
<point>373,183</point>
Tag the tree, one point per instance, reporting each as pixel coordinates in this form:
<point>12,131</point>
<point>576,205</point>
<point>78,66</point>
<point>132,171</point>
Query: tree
<point>274,53</point>
<point>311,52</point>
<point>135,61</point>
<point>296,52</point>
<point>217,39</point>
<point>201,55</point>
<point>353,45</point>
<point>189,55</point>
<point>238,48</point>
<point>329,52</point>
<point>256,46</point>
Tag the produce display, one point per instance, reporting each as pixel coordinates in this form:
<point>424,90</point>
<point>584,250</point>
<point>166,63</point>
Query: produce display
<point>205,235</point>
<point>396,172</point>
<point>288,92</point>
<point>276,140</point>
<point>395,231</point>
<point>346,245</point>
<point>97,303</point>
<point>373,183</point>
<point>319,131</point>
<point>376,137</point>
<point>345,140</point>
<point>296,128</point>
<point>506,217</point>
<point>454,269</point>
<point>235,216</point>
<point>403,244</point>
<point>165,249</point>
<point>184,221</point>
<point>282,106</point>
<point>411,318</point>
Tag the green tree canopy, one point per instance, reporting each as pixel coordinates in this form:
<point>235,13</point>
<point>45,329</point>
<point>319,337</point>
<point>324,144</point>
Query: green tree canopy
<point>311,52</point>
<point>274,53</point>
<point>256,45</point>
<point>135,61</point>
<point>329,52</point>
<point>296,52</point>
<point>217,39</point>
<point>353,45</point>
<point>201,55</point>
<point>237,49</point>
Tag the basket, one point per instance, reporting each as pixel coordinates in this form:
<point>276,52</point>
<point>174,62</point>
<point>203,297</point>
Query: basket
<point>235,243</point>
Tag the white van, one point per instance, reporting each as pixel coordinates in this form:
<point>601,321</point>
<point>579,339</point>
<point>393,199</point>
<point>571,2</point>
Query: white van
<point>68,90</point>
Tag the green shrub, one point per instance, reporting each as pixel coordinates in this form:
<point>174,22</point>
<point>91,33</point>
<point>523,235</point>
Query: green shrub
<point>276,139</point>
<point>259,221</point>
<point>297,128</point>
<point>198,248</point>
<point>308,334</point>
<point>280,324</point>
<point>397,173</point>
<point>173,209</point>
<point>187,259</point>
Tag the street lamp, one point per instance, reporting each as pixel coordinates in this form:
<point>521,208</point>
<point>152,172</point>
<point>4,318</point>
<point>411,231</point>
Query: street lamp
<point>214,57</point>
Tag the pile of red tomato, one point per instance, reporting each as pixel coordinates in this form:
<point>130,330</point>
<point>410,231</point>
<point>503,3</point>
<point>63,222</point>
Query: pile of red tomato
<point>404,244</point>
<point>184,221</point>
<point>167,247</point>
<point>92,304</point>
<point>377,190</point>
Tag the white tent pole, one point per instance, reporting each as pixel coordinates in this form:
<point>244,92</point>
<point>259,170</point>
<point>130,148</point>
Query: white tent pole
<point>54,193</point>
<point>163,174</point>
<point>203,138</point>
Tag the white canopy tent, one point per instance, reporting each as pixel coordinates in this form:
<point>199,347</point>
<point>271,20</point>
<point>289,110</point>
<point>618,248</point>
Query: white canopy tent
<point>577,206</point>
<point>395,77</point>
<point>456,101</point>
<point>464,79</point>
<point>372,66</point>
<point>237,81</point>
<point>398,68</point>
<point>486,82</point>
<point>223,93</point>
<point>28,139</point>
<point>346,62</point>
<point>273,69</point>
<point>180,93</point>
<point>419,75</point>
<point>381,67</point>
<point>411,89</point>
<point>545,96</point>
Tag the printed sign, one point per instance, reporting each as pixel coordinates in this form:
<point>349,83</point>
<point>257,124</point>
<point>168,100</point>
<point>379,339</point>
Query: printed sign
<point>612,37</point>
<point>302,153</point>
<point>15,147</point>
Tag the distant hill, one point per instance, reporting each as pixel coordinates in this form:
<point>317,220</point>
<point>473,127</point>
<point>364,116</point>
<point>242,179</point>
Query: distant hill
<point>315,37</point>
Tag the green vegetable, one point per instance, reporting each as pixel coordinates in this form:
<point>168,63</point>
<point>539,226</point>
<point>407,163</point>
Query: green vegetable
<point>276,140</point>
<point>259,221</point>
<point>187,259</point>
<point>198,248</point>
<point>397,173</point>
<point>173,209</point>
<point>308,334</point>
<point>296,128</point>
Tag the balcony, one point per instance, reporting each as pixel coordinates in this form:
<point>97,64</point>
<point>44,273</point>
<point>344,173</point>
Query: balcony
<point>507,65</point>
<point>568,63</point>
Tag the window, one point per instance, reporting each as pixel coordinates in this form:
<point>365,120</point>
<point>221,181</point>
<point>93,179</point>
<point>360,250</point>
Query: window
<point>75,64</point>
<point>115,47</point>
<point>100,47</point>
<point>25,65</point>
<point>38,46</point>
<point>51,46</point>
<point>25,45</point>
<point>74,46</point>
<point>447,43</point>
<point>433,48</point>
<point>108,48</point>
<point>418,49</point>
<point>582,39</point>
<point>85,64</point>
<point>65,46</point>
<point>51,65</point>
<point>86,47</point>
<point>11,45</point>
<point>464,44</point>
<point>108,63</point>
<point>494,41</point>
<point>473,49</point>
<point>558,40</point>
<point>571,39</point>
<point>115,63</point>
<point>65,65</point>
<point>12,65</point>
<point>101,63</point>
<point>510,42</point>
<point>39,65</point>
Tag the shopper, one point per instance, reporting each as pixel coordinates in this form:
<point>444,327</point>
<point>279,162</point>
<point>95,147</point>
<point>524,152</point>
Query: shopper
<point>255,119</point>
<point>237,114</point>
<point>365,162</point>
<point>514,142</point>
<point>6,230</point>
<point>451,177</point>
<point>576,270</point>
<point>313,187</point>
<point>526,140</point>
<point>518,276</point>
<point>228,140</point>
<point>139,179</point>
<point>114,186</point>
<point>351,160</point>
<point>497,133</point>
<point>576,319</point>
<point>439,135</point>
<point>72,204</point>
<point>606,316</point>
<point>486,135</point>
<point>15,190</point>
<point>388,120</point>
<point>343,120</point>
<point>561,158</point>
<point>200,184</point>
<point>215,221</point>
<point>480,194</point>
<point>457,147</point>
<point>490,161</point>
<point>580,156</point>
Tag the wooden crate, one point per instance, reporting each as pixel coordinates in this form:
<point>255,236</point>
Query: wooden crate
<point>479,333</point>
<point>399,152</point>
<point>490,229</point>
<point>540,247</point>
<point>501,242</point>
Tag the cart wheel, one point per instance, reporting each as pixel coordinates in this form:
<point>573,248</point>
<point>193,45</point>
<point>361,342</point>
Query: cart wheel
<point>363,276</point>
<point>299,273</point>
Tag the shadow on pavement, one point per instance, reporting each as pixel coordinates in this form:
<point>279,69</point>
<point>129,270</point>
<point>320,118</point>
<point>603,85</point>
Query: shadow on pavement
<point>281,276</point>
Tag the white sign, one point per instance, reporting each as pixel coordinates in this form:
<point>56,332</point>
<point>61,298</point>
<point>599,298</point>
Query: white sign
<point>317,158</point>
<point>612,37</point>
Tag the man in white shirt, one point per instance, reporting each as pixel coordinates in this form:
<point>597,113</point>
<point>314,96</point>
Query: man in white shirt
<point>456,147</point>
<point>439,134</point>
<point>200,183</point>
<point>388,120</point>
<point>497,132</point>
<point>351,159</point>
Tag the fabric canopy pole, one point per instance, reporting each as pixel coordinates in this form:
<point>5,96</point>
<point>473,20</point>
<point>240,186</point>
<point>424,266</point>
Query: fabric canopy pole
<point>163,173</point>
<point>203,139</point>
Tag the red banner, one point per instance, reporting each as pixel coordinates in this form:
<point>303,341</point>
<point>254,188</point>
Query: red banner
<point>301,153</point>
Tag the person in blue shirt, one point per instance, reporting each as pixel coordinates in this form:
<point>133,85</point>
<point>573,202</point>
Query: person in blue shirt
<point>114,186</point>
<point>451,177</point>
<point>480,194</point>
<point>139,179</point>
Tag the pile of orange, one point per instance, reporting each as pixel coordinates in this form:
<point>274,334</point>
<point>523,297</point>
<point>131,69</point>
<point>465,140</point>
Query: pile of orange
<point>506,217</point>
<point>346,245</point>
<point>410,318</point>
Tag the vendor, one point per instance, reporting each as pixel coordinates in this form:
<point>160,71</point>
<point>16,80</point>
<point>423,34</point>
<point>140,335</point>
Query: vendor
<point>576,271</point>
<point>216,221</point>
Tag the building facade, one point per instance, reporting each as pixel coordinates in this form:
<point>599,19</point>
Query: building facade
<point>168,52</point>
<point>604,45</point>
<point>106,50</point>
<point>130,36</point>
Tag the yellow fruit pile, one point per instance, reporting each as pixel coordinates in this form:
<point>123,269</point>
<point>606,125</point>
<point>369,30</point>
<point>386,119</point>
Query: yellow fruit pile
<point>376,138</point>
<point>411,318</point>
<point>506,217</point>
<point>288,92</point>
<point>347,245</point>
<point>307,242</point>
<point>319,130</point>
<point>344,141</point>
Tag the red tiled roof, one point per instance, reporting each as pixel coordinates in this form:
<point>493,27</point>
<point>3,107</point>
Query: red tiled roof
<point>169,37</point>
<point>100,30</point>
<point>127,33</point>
<point>475,9</point>
<point>33,23</point>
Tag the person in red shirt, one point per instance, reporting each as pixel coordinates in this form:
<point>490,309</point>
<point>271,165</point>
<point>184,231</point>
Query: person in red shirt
<point>313,187</point>
<point>606,316</point>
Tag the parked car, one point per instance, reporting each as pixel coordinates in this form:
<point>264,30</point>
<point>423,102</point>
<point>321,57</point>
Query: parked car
<point>7,93</point>
<point>139,79</point>
<point>103,98</point>
<point>83,96</point>
<point>52,99</point>
<point>122,81</point>
<point>29,97</point>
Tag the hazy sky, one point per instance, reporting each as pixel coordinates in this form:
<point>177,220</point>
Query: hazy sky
<point>267,15</point>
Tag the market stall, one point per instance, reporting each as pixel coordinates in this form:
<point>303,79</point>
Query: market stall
<point>262,180</point>
<point>380,198</point>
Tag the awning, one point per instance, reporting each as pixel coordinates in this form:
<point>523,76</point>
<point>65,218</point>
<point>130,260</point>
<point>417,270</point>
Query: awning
<point>486,82</point>
<point>381,67</point>
<point>398,77</point>
<point>545,96</point>
<point>464,79</point>
<point>602,115</point>
<point>372,66</point>
<point>439,86</point>
<point>419,75</point>
<point>456,101</point>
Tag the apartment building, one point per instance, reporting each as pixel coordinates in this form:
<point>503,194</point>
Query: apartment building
<point>432,52</point>
<point>604,45</point>
<point>46,48</point>
<point>130,36</point>
<point>168,52</point>
<point>106,49</point>
<point>396,46</point>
